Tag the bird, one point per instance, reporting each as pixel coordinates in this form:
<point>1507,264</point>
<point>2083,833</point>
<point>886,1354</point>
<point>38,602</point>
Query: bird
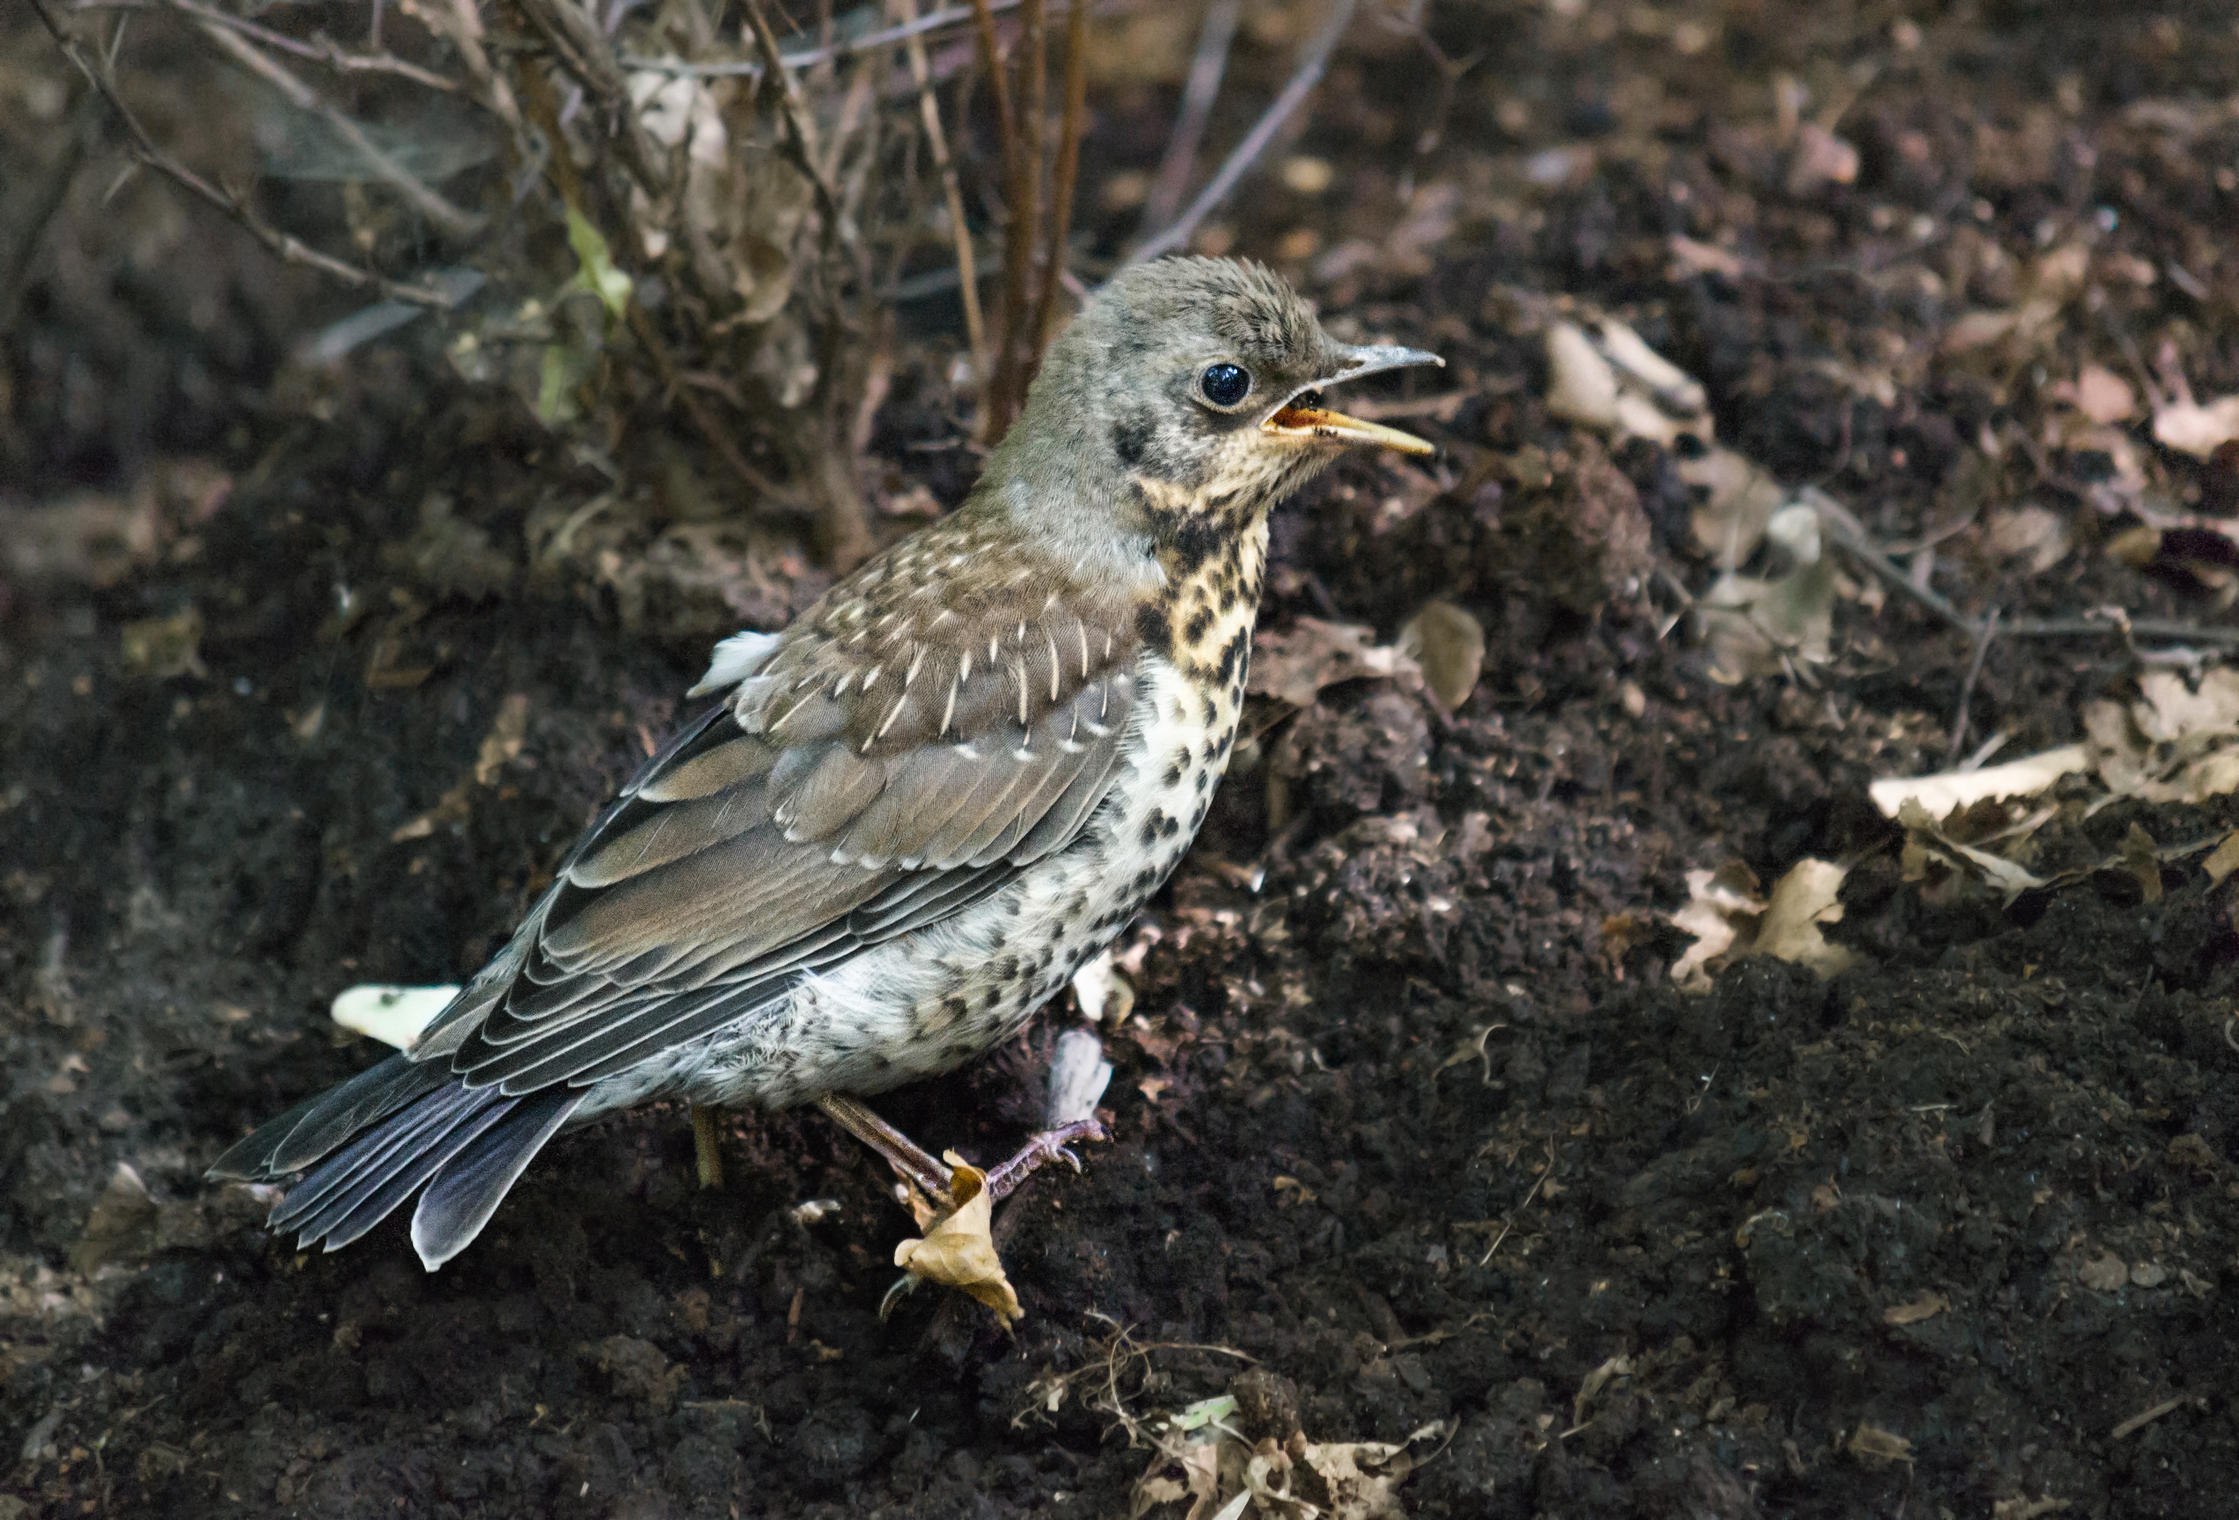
<point>907,819</point>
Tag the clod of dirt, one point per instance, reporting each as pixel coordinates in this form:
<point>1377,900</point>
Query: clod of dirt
<point>1266,1404</point>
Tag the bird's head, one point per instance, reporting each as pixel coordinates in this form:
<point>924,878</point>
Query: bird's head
<point>1193,386</point>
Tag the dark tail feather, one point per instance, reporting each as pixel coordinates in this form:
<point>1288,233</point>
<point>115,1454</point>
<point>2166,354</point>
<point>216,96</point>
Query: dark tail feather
<point>469,1189</point>
<point>363,1183</point>
<point>391,1130</point>
<point>309,1130</point>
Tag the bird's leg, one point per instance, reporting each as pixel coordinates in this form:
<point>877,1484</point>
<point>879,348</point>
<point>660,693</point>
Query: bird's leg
<point>1050,1145</point>
<point>707,1147</point>
<point>905,1155</point>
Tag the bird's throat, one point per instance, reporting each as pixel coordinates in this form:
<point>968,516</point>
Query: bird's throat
<point>1201,619</point>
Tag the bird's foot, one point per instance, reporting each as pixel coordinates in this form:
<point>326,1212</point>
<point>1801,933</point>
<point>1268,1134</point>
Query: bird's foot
<point>910,1160</point>
<point>1050,1145</point>
<point>707,1147</point>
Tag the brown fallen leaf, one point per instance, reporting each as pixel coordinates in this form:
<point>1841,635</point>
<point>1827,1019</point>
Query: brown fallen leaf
<point>1293,664</point>
<point>2223,859</point>
<point>1449,644</point>
<point>958,1251</point>
<point>1871,1443</point>
<point>1927,1306</point>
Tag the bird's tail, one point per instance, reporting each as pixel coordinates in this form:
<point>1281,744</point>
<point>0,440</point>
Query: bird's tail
<point>391,1131</point>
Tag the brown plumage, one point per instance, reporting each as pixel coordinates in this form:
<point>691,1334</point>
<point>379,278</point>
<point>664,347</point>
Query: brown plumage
<point>917,810</point>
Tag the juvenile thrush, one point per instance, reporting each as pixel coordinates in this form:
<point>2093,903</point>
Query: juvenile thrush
<point>916,812</point>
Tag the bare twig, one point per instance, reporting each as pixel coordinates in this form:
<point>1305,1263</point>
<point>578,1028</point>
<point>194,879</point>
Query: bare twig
<point>2123,626</point>
<point>320,48</point>
<point>283,246</point>
<point>19,254</point>
<point>1974,674</point>
<point>960,230</point>
<point>583,51</point>
<point>453,221</point>
<point>462,24</point>
<point>1203,87</point>
<point>1311,66</point>
<point>1062,180</point>
<point>918,27</point>
<point>1022,168</point>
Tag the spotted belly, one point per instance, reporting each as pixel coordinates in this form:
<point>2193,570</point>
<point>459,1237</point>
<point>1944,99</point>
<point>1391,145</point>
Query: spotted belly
<point>932,1000</point>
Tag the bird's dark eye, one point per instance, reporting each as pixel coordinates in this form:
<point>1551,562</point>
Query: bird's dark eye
<point>1225,384</point>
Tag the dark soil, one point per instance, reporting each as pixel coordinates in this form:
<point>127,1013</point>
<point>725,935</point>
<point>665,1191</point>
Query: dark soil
<point>1407,1111</point>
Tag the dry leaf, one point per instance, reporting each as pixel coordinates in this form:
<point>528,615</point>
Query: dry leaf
<point>1604,376</point>
<point>2104,1273</point>
<point>959,1250</point>
<point>1801,901</point>
<point>2100,394</point>
<point>1721,904</point>
<point>2223,860</point>
<point>1591,1387</point>
<point>2196,428</point>
<point>1945,792</point>
<point>1756,627</point>
<point>122,1226</point>
<point>2176,743</point>
<point>1293,664</point>
<point>1871,1443</point>
<point>2039,536</point>
<point>1735,500</point>
<point>1928,839</point>
<point>162,647</point>
<point>1927,1306</point>
<point>1449,644</point>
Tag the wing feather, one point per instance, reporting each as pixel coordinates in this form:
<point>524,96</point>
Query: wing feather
<point>857,786</point>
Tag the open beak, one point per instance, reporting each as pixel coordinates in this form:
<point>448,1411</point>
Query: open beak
<point>1304,416</point>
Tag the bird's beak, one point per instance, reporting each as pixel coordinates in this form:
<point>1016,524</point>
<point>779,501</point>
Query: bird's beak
<point>1304,416</point>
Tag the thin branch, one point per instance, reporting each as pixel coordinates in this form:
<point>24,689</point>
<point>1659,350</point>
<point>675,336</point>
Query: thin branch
<point>1203,87</point>
<point>320,49</point>
<point>1974,674</point>
<point>583,52</point>
<point>800,127</point>
<point>1311,66</point>
<point>802,58</point>
<point>1062,180</point>
<point>453,221</point>
<point>461,23</point>
<point>283,246</point>
<point>960,229</point>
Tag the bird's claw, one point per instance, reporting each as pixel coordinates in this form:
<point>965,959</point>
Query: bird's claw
<point>1050,1145</point>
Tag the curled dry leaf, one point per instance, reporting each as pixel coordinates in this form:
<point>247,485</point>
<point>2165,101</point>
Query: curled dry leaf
<point>1449,644</point>
<point>1927,841</point>
<point>1945,792</point>
<point>1221,1476</point>
<point>1925,1307</point>
<point>1721,905</point>
<point>1803,901</point>
<point>959,1250</point>
<point>1293,664</point>
<point>2176,743</point>
<point>2197,428</point>
<point>1735,502</point>
<point>1604,376</point>
<point>1757,626</point>
<point>1731,922</point>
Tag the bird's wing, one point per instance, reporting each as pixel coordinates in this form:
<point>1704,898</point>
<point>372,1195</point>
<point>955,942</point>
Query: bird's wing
<point>896,758</point>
